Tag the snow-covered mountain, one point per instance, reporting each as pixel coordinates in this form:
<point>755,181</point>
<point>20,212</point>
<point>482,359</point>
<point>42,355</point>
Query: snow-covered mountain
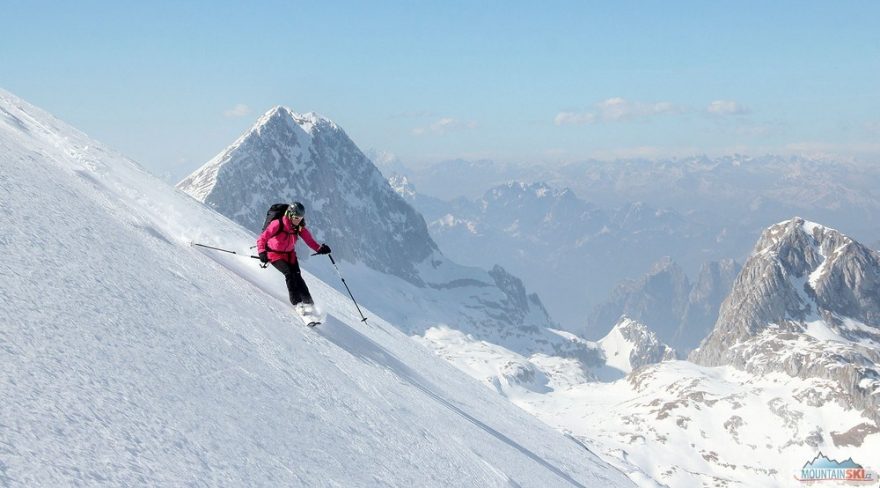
<point>129,358</point>
<point>631,344</point>
<point>807,304</point>
<point>789,371</point>
<point>286,156</point>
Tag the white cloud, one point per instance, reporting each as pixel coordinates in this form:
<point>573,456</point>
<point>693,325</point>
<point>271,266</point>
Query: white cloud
<point>644,152</point>
<point>868,150</point>
<point>445,125</point>
<point>413,114</point>
<point>726,107</point>
<point>572,118</point>
<point>617,110</point>
<point>240,110</point>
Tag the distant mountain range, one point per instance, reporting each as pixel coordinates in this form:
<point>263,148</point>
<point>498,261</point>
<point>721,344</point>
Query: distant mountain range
<point>576,255</point>
<point>695,211</point>
<point>736,192</point>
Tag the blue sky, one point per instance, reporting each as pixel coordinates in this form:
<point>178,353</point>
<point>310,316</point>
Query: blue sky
<point>172,83</point>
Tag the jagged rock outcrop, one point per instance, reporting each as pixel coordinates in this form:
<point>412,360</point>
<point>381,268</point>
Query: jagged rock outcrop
<point>806,303</point>
<point>658,299</point>
<point>681,315</point>
<point>631,344</point>
<point>704,301</point>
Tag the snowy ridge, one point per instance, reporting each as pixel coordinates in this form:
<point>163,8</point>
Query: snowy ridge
<point>144,361</point>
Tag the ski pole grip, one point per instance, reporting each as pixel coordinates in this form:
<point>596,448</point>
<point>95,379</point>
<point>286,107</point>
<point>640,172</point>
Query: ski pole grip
<point>331,259</point>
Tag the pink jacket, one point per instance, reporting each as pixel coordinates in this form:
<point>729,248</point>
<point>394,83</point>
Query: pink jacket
<point>281,245</point>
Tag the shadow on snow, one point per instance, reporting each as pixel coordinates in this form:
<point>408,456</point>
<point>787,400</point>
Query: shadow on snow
<point>365,349</point>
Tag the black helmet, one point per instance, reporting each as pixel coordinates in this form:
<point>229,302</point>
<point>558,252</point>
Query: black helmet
<point>295,209</point>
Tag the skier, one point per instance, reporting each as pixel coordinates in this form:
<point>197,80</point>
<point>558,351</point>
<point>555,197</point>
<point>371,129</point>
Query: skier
<point>277,245</point>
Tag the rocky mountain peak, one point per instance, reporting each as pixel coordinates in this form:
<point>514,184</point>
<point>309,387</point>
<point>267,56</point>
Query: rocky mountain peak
<point>288,157</point>
<point>801,270</point>
<point>807,302</point>
<point>285,117</point>
<point>631,344</point>
<point>800,245</point>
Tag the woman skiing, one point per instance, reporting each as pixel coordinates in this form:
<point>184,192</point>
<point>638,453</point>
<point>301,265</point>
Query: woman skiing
<point>277,245</point>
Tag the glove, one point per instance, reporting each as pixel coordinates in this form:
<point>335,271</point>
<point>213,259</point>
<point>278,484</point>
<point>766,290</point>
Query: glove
<point>264,257</point>
<point>324,249</point>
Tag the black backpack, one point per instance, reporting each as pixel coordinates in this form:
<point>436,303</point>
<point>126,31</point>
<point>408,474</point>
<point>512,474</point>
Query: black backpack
<point>275,212</point>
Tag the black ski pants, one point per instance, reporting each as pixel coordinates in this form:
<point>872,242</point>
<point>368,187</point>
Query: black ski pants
<point>296,287</point>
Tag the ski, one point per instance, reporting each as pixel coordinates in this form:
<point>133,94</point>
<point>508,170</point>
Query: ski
<point>310,316</point>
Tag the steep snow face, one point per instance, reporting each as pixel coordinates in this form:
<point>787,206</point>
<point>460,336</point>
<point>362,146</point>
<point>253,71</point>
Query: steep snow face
<point>289,157</point>
<point>129,358</point>
<point>805,303</point>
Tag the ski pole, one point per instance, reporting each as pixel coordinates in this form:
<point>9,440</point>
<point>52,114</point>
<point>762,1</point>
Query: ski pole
<point>363,319</point>
<point>224,250</point>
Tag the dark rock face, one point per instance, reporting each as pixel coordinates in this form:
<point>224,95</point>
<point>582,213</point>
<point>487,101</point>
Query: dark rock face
<point>659,300</point>
<point>712,287</point>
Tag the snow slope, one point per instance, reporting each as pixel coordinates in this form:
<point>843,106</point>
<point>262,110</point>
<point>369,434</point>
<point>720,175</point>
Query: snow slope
<point>685,425</point>
<point>129,358</point>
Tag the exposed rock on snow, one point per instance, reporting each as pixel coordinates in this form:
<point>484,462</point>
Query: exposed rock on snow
<point>631,344</point>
